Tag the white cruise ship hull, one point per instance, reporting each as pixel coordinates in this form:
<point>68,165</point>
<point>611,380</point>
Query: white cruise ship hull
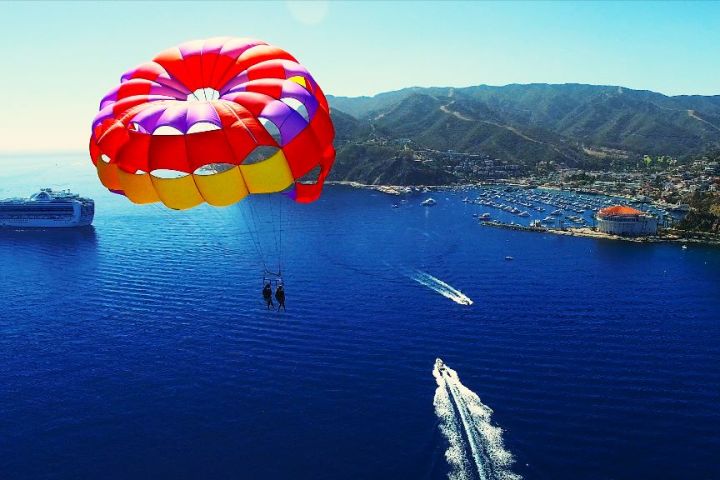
<point>47,209</point>
<point>45,222</point>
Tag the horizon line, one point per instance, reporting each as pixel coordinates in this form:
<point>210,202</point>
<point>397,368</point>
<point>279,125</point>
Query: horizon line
<point>529,84</point>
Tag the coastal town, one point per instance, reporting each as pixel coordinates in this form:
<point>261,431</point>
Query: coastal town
<point>661,178</point>
<point>661,199</point>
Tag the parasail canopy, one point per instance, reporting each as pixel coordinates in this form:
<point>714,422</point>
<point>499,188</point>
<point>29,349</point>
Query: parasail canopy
<point>214,121</point>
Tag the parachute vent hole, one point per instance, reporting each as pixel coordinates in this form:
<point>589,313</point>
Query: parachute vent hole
<point>167,130</point>
<point>213,168</point>
<point>311,177</point>
<point>202,127</point>
<point>260,154</point>
<point>272,129</point>
<point>167,173</point>
<point>203,95</point>
<point>298,106</point>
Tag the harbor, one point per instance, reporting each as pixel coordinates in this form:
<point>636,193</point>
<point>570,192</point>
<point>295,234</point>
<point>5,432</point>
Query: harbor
<point>590,233</point>
<point>561,212</point>
<point>582,215</point>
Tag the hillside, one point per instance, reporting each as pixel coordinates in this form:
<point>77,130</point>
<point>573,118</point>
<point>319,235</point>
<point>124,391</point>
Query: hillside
<point>520,125</point>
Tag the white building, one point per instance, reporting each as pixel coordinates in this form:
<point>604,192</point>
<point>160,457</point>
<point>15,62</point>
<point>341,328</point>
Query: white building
<point>627,221</point>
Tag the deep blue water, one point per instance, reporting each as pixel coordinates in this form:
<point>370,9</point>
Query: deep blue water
<point>140,348</point>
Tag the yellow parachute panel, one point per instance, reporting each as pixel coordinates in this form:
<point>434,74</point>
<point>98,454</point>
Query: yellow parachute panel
<point>138,187</point>
<point>222,189</point>
<point>177,193</point>
<point>269,176</point>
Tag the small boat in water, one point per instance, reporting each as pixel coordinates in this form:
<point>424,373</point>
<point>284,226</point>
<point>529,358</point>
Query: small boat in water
<point>428,203</point>
<point>484,216</point>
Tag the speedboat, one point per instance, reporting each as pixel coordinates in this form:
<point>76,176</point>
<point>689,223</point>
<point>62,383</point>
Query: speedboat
<point>428,203</point>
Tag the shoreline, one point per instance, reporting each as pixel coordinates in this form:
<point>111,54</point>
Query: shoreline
<point>585,232</point>
<point>402,189</point>
<point>397,190</point>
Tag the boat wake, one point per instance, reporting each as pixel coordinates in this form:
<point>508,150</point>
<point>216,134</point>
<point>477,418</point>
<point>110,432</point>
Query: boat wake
<point>437,285</point>
<point>476,448</point>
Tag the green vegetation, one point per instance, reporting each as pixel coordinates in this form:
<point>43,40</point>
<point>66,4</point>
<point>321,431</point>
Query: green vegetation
<point>704,215</point>
<point>532,126</point>
<point>385,165</point>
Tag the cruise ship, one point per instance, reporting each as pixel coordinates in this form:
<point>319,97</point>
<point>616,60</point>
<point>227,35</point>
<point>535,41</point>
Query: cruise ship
<point>47,209</point>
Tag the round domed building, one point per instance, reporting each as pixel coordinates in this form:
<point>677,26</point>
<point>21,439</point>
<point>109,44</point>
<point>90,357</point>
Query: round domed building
<point>626,221</point>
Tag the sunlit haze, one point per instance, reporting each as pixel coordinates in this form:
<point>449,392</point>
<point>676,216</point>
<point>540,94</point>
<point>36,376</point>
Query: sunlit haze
<point>61,58</point>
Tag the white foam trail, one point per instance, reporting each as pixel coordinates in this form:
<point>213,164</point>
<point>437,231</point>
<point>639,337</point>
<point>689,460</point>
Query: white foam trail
<point>447,291</point>
<point>476,449</point>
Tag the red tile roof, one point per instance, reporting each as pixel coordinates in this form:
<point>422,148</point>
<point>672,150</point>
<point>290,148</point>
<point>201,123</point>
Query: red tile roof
<point>619,210</point>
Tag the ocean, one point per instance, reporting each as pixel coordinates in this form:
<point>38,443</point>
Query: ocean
<point>141,348</point>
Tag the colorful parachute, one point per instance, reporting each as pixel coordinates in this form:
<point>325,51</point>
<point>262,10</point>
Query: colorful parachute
<point>213,121</point>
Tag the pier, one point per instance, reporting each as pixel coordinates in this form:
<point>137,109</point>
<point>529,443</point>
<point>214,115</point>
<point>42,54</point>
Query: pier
<point>514,226</point>
<point>588,232</point>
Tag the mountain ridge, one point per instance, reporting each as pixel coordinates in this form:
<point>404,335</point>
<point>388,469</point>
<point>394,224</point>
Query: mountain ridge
<point>525,125</point>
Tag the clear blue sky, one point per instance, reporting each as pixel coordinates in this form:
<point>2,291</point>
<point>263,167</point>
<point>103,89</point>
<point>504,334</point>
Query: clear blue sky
<point>60,58</point>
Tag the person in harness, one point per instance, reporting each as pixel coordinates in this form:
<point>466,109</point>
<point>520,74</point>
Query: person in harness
<point>280,297</point>
<point>267,295</point>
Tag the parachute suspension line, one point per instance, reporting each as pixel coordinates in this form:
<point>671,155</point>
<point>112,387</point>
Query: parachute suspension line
<point>264,215</point>
<point>272,243</point>
<point>281,200</point>
<point>263,231</point>
<point>252,229</point>
<point>278,234</point>
<point>276,205</point>
<point>274,218</point>
<point>174,219</point>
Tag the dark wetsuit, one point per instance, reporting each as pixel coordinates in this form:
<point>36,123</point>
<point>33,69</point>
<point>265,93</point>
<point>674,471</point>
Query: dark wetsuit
<point>267,295</point>
<point>280,297</point>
